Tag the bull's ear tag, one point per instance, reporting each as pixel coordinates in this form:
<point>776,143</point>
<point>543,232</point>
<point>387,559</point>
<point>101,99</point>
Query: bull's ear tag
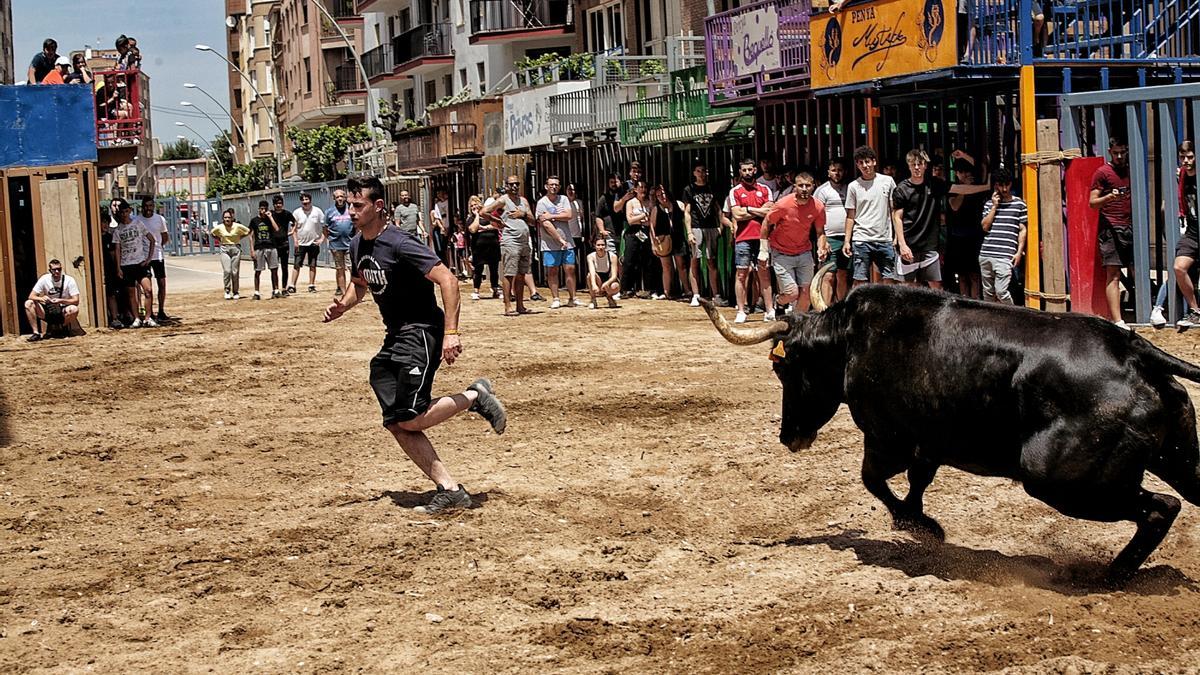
<point>778,353</point>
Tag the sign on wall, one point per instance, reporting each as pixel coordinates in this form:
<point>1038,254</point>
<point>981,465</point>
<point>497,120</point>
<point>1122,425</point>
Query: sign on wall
<point>882,39</point>
<point>527,114</point>
<point>755,38</point>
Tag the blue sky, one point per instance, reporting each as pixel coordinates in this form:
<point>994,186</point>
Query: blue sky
<point>165,30</point>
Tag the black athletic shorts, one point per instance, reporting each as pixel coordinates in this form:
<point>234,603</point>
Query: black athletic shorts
<point>311,252</point>
<point>159,269</point>
<point>1188,247</point>
<point>1116,246</point>
<point>402,372</point>
<point>132,274</point>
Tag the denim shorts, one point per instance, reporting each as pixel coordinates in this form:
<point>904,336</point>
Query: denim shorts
<point>558,258</point>
<point>745,254</point>
<point>880,253</point>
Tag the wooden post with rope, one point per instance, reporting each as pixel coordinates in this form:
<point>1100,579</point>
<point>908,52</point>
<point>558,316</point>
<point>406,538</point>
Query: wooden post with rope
<point>1050,212</point>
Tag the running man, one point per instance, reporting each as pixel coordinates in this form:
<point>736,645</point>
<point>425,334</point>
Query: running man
<point>400,270</point>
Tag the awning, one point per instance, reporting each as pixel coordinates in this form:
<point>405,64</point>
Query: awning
<point>738,126</point>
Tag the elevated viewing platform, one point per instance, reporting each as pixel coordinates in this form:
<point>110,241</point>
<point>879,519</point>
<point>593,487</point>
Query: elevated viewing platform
<point>509,21</point>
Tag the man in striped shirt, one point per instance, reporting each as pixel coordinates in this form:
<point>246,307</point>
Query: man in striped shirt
<point>1005,218</point>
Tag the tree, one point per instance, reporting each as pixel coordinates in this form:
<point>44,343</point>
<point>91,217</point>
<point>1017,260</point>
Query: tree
<point>323,149</point>
<point>221,154</point>
<point>243,178</point>
<point>180,149</point>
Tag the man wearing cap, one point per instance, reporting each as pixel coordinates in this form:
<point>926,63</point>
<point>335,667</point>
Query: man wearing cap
<point>62,70</point>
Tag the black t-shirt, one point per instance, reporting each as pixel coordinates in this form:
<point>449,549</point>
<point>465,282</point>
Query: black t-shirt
<point>614,220</point>
<point>704,205</point>
<point>41,66</point>
<point>108,243</point>
<point>1190,213</point>
<point>284,220</point>
<point>394,265</point>
<point>486,236</point>
<point>261,229</point>
<point>922,206</point>
<point>967,221</point>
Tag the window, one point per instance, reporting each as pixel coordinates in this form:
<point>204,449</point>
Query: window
<point>304,12</point>
<point>237,97</point>
<point>405,20</point>
<point>430,91</point>
<point>307,75</point>
<point>462,78</point>
<point>448,84</point>
<point>605,28</point>
<point>482,68</point>
<point>253,83</point>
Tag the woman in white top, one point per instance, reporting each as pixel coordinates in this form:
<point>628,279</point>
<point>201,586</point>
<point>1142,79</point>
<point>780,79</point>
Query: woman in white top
<point>602,273</point>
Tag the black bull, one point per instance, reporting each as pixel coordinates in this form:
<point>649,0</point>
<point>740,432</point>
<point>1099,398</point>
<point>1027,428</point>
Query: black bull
<point>1073,407</point>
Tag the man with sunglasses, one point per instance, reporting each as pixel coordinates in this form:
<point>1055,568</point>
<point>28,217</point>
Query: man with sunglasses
<point>137,247</point>
<point>54,301</point>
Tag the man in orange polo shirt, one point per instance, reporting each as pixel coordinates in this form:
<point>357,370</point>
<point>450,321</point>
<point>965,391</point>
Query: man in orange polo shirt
<point>787,234</point>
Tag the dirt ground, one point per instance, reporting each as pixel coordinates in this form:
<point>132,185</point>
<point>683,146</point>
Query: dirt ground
<point>220,495</point>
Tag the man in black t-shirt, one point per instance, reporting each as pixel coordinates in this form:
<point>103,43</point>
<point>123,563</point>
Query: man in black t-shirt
<point>702,217</point>
<point>917,217</point>
<point>43,62</point>
<point>399,270</point>
<point>283,222</point>
<point>263,249</point>
<point>610,211</point>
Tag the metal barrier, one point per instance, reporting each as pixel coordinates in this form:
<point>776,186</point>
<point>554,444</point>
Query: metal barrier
<point>1088,120</point>
<point>245,207</point>
<point>120,110</point>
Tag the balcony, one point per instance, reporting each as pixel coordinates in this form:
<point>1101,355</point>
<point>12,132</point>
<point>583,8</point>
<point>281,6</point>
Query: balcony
<point>515,20</point>
<point>422,48</point>
<point>588,110</point>
<point>121,115</point>
<point>378,62</point>
<point>432,147</point>
<point>476,112</point>
<point>680,118</point>
<point>781,27</point>
<point>343,10</point>
<point>346,79</point>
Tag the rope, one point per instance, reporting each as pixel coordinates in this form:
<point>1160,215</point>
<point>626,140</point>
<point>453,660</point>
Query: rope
<point>1048,297</point>
<point>1050,156</point>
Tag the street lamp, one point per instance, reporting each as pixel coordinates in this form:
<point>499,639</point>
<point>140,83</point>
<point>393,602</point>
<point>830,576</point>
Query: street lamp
<point>369,103</point>
<point>237,127</point>
<point>184,125</point>
<point>274,129</point>
<point>221,129</point>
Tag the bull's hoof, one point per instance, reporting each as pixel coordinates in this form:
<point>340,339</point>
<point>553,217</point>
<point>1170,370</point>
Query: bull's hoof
<point>921,526</point>
<point>1116,577</point>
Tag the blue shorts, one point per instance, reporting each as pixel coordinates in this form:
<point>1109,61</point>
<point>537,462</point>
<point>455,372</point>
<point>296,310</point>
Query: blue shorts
<point>745,253</point>
<point>881,253</point>
<point>558,258</point>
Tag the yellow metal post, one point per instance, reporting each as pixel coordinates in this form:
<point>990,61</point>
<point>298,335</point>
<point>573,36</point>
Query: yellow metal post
<point>1029,188</point>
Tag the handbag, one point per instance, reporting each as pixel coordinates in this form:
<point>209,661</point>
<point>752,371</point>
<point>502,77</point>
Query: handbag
<point>662,245</point>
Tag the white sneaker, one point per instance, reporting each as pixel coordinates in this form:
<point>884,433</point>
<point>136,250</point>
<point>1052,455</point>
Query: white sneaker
<point>474,296</point>
<point>137,323</point>
<point>556,304</point>
<point>695,301</point>
<point>257,295</point>
<point>1122,325</point>
<point>149,323</point>
<point>769,316</point>
<point>740,318</point>
<point>575,303</point>
<point>229,296</point>
<point>236,296</point>
<point>791,310</point>
<point>617,295</point>
<point>591,305</point>
<point>1156,318</point>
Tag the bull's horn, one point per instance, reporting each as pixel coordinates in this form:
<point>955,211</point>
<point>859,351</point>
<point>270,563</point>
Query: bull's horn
<point>743,336</point>
<point>814,289</point>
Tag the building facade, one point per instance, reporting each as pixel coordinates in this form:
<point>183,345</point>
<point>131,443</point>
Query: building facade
<point>184,178</point>
<point>320,84</point>
<point>249,47</point>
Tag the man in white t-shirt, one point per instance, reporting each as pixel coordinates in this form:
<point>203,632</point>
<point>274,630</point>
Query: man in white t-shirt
<point>308,233</point>
<point>54,301</point>
<point>832,194</point>
<point>136,251</point>
<point>869,233</point>
<point>554,213</point>
<point>156,225</point>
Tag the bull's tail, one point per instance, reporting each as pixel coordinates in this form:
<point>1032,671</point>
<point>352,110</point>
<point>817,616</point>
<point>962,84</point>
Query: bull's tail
<point>1175,366</point>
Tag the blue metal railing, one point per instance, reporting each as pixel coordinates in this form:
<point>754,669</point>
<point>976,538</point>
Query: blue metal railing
<point>1131,32</point>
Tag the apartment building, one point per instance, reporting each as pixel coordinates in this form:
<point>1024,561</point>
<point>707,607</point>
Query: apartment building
<point>320,83</point>
<point>252,104</point>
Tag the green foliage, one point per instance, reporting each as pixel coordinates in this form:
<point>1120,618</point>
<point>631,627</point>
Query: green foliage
<point>553,67</point>
<point>320,150</point>
<point>180,149</point>
<point>221,155</point>
<point>582,65</point>
<point>412,124</point>
<point>243,178</point>
<point>464,94</point>
<point>653,67</point>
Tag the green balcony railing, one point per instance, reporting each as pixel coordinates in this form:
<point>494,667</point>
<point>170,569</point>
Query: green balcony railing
<point>677,118</point>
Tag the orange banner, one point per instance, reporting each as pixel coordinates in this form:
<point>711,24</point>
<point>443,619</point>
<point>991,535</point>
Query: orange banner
<point>870,41</point>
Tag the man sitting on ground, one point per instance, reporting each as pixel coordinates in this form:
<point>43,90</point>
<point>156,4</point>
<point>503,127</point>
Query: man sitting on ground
<point>54,301</point>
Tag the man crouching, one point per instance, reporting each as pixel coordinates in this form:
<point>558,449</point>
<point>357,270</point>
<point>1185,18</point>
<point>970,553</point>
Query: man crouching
<point>400,271</point>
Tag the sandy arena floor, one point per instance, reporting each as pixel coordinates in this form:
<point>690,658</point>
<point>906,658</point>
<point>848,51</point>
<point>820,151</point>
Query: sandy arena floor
<point>220,495</point>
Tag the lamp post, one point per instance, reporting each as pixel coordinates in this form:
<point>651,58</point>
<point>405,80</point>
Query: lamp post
<point>221,129</point>
<point>272,115</point>
<point>369,103</point>
<point>210,147</point>
<point>237,127</point>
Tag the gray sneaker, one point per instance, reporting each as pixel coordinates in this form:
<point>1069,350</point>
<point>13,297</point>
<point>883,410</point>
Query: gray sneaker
<point>446,500</point>
<point>1192,318</point>
<point>488,406</point>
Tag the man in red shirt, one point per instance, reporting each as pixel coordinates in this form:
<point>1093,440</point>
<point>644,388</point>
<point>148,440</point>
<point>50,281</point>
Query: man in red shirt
<point>748,203</point>
<point>787,233</point>
<point>1110,195</point>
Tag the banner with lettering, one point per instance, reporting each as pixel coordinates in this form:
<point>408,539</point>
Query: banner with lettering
<point>755,37</point>
<point>886,38</point>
